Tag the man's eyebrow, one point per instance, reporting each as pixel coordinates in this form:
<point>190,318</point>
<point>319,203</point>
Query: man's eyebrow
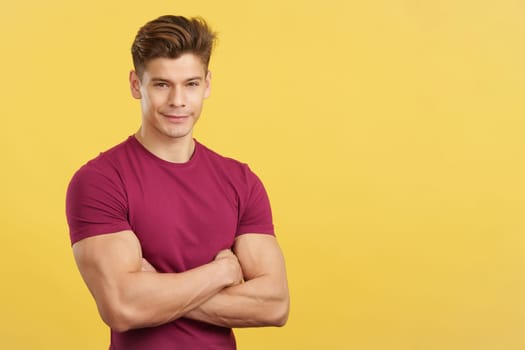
<point>189,79</point>
<point>195,78</point>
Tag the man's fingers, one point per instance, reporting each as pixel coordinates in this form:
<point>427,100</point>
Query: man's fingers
<point>225,253</point>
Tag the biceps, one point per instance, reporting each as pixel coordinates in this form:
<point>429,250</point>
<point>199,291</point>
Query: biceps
<point>105,259</point>
<point>260,255</point>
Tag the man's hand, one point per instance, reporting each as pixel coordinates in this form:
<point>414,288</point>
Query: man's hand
<point>231,264</point>
<point>225,257</point>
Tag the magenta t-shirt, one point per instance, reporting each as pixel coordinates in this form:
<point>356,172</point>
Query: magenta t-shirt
<point>183,215</point>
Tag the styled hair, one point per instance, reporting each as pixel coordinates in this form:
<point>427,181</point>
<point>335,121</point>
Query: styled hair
<point>170,37</point>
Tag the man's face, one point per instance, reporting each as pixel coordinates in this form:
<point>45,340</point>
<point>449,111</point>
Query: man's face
<point>172,92</point>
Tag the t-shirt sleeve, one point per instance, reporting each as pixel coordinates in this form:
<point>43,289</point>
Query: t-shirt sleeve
<point>255,214</point>
<point>95,204</point>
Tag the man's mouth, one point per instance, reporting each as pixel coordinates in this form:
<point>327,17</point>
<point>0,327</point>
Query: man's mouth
<point>175,117</point>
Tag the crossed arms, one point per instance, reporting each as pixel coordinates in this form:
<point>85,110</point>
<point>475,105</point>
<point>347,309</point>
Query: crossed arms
<point>243,288</point>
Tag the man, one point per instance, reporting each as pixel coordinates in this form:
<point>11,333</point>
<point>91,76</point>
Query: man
<point>174,241</point>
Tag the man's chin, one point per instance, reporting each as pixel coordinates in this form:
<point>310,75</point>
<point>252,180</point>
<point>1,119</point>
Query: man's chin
<point>178,134</point>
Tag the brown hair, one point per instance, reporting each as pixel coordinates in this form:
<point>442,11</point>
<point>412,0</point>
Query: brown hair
<point>170,37</point>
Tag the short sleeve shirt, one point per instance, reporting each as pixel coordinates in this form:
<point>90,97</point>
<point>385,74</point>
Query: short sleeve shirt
<point>182,213</point>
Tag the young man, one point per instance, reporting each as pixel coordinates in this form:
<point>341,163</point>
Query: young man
<point>174,241</point>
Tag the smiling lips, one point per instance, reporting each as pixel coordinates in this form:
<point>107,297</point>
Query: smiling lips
<point>175,118</point>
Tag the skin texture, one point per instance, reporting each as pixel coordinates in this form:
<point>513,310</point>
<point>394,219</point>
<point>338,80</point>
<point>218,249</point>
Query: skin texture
<point>171,93</point>
<point>262,300</point>
<point>129,297</point>
<point>242,287</point>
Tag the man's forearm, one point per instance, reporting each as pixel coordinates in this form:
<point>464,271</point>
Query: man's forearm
<point>255,303</point>
<point>130,294</point>
<point>150,299</point>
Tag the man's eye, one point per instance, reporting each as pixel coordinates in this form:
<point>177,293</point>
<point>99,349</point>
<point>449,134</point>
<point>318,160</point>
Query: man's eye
<point>161,85</point>
<point>193,83</point>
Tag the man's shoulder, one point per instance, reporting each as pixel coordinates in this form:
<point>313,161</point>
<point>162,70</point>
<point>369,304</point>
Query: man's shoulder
<point>106,162</point>
<point>222,161</point>
<point>116,152</point>
<point>235,171</point>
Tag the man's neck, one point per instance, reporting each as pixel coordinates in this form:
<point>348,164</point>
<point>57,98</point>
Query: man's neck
<point>174,150</point>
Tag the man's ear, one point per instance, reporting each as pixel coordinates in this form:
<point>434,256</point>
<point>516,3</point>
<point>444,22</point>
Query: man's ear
<point>207,81</point>
<point>134,85</point>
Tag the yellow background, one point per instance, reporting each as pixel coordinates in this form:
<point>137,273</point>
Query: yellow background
<point>389,135</point>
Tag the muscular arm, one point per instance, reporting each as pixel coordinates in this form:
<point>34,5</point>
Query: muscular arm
<point>128,296</point>
<point>262,300</point>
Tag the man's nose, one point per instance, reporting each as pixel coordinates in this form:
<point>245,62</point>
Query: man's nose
<point>177,98</point>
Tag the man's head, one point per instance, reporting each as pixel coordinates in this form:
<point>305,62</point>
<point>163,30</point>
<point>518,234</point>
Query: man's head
<point>171,77</point>
<point>171,37</point>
